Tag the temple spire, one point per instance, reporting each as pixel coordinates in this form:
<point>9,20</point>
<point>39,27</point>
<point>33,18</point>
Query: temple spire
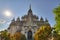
<point>30,11</point>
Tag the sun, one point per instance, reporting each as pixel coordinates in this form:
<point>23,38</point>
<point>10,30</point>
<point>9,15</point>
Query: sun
<point>7,13</point>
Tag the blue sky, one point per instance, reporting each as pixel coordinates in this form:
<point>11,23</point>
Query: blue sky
<point>19,8</point>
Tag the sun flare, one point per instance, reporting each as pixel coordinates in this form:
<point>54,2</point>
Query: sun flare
<point>8,13</point>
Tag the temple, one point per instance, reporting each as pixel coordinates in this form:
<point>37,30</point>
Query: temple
<point>28,23</point>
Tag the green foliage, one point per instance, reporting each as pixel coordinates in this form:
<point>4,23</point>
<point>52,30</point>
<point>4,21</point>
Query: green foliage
<point>56,36</point>
<point>4,35</point>
<point>43,33</point>
<point>56,11</point>
<point>23,37</point>
<point>17,36</point>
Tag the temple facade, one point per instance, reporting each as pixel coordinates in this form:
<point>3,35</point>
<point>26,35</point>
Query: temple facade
<point>28,23</point>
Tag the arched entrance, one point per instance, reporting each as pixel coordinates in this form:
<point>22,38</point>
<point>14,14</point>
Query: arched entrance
<point>29,35</point>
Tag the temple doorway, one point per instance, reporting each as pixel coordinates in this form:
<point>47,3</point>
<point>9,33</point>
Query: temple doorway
<point>29,35</point>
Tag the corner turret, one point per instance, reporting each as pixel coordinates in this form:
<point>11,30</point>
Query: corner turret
<point>41,19</point>
<point>18,19</point>
<point>46,22</point>
<point>13,20</point>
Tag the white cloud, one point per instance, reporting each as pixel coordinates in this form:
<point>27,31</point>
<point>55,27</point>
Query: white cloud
<point>2,21</point>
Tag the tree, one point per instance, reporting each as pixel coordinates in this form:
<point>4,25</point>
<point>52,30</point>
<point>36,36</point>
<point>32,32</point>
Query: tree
<point>56,12</point>
<point>7,36</point>
<point>43,33</point>
<point>23,37</point>
<point>19,36</point>
<point>55,36</point>
<point>4,35</point>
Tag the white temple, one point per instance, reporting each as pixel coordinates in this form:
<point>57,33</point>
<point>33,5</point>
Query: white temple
<point>27,22</point>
